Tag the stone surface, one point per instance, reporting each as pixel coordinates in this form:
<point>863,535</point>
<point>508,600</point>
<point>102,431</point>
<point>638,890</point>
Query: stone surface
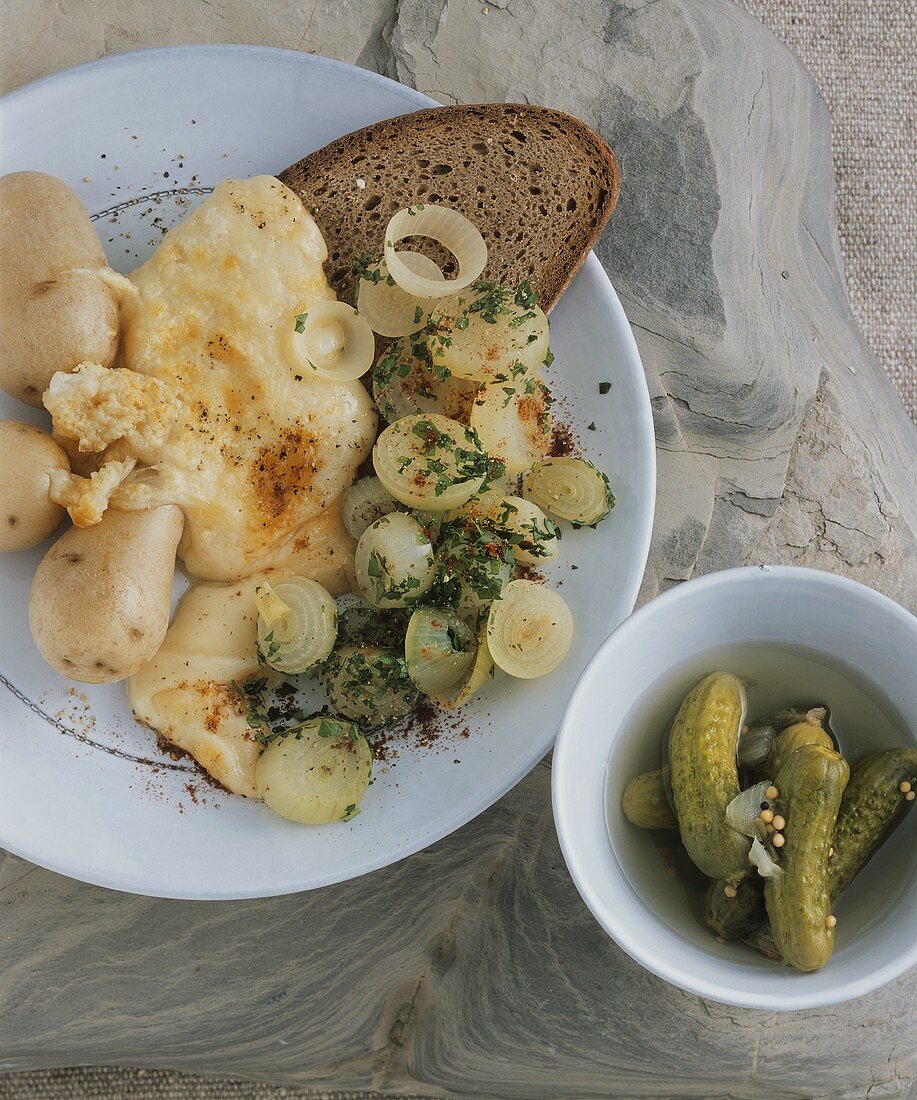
<point>473,969</point>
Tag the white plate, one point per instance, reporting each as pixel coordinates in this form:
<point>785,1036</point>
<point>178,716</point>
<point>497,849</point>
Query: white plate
<point>83,788</point>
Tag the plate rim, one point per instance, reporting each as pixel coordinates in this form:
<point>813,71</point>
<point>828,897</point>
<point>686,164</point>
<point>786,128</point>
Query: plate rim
<point>127,883</point>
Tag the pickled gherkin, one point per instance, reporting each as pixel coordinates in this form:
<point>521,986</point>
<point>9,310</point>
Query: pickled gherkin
<point>704,776</point>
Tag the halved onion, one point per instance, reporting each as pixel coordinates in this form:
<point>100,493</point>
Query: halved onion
<point>317,773</point>
<point>430,462</point>
<point>394,561</point>
<point>297,623</point>
<point>481,671</point>
<point>332,340</point>
<point>514,424</point>
<point>370,684</point>
<point>363,503</point>
<point>533,536</point>
<point>404,383</point>
<point>387,308</point>
<point>487,334</point>
<point>450,229</point>
<point>529,630</point>
<point>439,649</point>
<point>571,488</point>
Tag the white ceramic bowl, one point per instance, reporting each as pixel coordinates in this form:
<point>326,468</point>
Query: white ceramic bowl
<point>611,731</point>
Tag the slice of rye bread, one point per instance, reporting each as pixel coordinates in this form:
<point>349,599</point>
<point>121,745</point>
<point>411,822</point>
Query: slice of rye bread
<point>539,185</point>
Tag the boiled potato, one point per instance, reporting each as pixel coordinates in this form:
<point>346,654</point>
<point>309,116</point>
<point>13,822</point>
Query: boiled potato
<point>100,599</point>
<point>27,514</point>
<point>55,310</point>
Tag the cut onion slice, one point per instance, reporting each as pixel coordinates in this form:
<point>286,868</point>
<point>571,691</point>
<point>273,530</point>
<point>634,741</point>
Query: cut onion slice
<point>450,229</point>
<point>529,630</point>
<point>388,308</point>
<point>571,488</point>
<point>332,340</point>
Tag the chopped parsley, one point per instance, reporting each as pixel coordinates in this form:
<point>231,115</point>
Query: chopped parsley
<point>525,295</point>
<point>604,387</point>
<point>371,684</point>
<point>471,561</point>
<point>270,715</point>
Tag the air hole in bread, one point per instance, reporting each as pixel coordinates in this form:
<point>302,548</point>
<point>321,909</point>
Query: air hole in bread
<point>372,202</point>
<point>441,169</point>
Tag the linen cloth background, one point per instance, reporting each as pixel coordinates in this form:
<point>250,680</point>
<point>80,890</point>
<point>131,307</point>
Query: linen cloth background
<point>864,57</point>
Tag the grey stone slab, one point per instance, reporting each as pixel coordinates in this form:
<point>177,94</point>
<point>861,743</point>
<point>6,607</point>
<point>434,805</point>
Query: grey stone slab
<point>473,969</point>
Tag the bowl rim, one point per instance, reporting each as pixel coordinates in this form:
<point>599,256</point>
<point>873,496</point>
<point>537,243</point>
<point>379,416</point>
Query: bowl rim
<point>563,771</point>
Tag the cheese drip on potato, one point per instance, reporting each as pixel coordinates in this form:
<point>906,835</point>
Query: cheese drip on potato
<point>260,446</point>
<point>185,692</point>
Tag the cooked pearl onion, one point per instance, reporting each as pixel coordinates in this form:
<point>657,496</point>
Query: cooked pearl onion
<point>571,488</point>
<point>394,561</point>
<point>504,342</point>
<point>404,383</point>
<point>481,671</point>
<point>525,527</point>
<point>297,623</point>
<point>430,462</point>
<point>387,308</point>
<point>318,774</point>
<point>514,427</point>
<point>529,630</point>
<point>363,503</point>
<point>453,231</point>
<point>439,649</point>
<point>335,342</point>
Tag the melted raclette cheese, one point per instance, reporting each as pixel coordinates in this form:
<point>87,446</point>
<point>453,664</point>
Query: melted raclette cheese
<point>258,450</point>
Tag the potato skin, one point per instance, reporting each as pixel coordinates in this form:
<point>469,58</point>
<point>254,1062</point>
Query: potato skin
<point>52,315</point>
<point>27,514</point>
<point>99,606</point>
